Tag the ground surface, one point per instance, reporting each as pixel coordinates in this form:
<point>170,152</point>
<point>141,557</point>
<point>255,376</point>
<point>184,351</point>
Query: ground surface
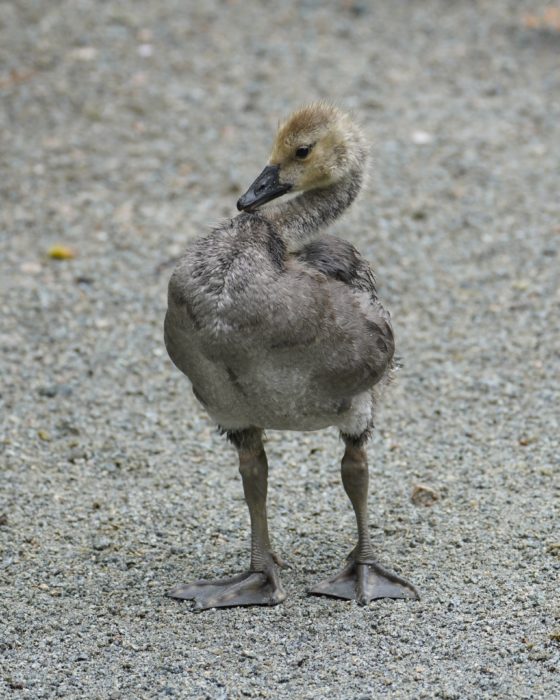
<point>127,129</point>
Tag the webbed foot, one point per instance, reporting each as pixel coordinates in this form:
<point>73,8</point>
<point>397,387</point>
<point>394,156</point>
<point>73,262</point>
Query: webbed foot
<point>364,582</point>
<point>250,588</point>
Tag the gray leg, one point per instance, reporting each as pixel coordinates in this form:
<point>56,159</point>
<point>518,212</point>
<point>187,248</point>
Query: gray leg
<point>355,479</point>
<point>363,579</point>
<point>261,584</point>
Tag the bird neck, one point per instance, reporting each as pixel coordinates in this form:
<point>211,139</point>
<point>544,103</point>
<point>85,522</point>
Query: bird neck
<point>299,220</point>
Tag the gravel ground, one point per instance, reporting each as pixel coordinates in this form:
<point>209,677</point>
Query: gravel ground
<point>127,129</point>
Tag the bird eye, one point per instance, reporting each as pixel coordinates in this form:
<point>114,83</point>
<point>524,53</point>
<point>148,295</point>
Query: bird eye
<point>302,152</point>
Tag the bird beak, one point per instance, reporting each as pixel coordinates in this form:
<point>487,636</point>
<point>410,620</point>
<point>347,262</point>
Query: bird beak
<point>266,187</point>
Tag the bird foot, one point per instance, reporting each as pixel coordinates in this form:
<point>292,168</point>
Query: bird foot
<point>364,582</point>
<point>250,588</point>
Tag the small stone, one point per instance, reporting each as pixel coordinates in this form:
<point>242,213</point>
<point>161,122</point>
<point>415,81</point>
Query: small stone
<point>55,390</point>
<point>145,35</point>
<point>101,543</point>
<point>101,323</point>
<point>177,550</point>
<point>423,495</point>
<point>48,391</point>
<point>145,50</point>
<point>30,268</point>
<point>65,427</point>
<point>76,455</point>
<point>358,9</point>
<point>421,138</point>
<point>14,684</point>
<point>539,656</point>
<point>84,53</point>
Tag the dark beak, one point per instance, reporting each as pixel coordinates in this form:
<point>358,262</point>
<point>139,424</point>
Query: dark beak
<point>266,187</point>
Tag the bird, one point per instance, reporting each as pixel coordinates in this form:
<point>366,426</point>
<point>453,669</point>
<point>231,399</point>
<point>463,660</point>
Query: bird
<point>279,326</point>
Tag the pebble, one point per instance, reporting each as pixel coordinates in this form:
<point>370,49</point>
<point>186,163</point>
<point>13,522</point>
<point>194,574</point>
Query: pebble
<point>101,543</point>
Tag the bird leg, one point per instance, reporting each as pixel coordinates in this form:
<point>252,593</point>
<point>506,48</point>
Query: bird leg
<point>261,584</point>
<point>363,579</point>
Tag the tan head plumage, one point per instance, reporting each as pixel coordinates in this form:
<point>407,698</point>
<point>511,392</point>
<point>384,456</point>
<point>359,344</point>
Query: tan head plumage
<point>316,146</point>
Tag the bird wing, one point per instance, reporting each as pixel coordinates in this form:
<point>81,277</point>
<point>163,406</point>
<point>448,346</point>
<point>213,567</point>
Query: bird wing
<point>353,338</point>
<point>338,259</point>
<point>311,322</point>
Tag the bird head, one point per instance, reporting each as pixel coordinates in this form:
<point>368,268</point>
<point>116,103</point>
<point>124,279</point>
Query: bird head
<point>314,148</point>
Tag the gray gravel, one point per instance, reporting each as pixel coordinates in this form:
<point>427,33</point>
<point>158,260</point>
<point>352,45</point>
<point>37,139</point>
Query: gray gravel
<point>127,129</point>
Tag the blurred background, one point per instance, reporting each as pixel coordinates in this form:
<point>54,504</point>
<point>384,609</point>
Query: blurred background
<point>128,128</point>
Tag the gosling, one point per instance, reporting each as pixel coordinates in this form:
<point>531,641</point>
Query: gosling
<point>279,326</point>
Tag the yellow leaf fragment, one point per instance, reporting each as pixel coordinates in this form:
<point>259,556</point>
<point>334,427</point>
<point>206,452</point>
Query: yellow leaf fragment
<point>61,252</point>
